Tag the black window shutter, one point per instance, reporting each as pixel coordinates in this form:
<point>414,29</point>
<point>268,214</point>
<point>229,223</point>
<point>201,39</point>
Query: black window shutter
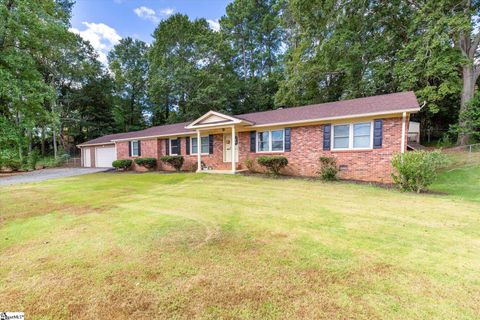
<point>139,147</point>
<point>179,146</point>
<point>187,145</point>
<point>377,133</point>
<point>253,141</point>
<point>210,144</point>
<point>129,148</point>
<point>288,144</point>
<point>167,147</point>
<point>327,136</point>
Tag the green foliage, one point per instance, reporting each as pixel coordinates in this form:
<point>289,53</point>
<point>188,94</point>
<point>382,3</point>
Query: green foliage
<point>148,163</point>
<point>250,164</point>
<point>273,163</point>
<point>174,161</point>
<point>328,169</point>
<point>416,170</point>
<point>122,164</point>
<point>189,71</point>
<point>471,120</point>
<point>129,65</point>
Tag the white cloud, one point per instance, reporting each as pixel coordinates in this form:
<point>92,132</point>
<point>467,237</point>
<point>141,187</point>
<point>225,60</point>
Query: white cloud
<point>167,11</point>
<point>146,13</point>
<point>101,37</point>
<point>214,24</point>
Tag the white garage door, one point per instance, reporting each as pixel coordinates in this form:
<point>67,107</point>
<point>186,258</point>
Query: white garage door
<point>104,157</point>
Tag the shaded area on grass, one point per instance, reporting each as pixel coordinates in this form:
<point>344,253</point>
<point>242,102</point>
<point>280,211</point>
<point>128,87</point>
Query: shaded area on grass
<point>209,246</point>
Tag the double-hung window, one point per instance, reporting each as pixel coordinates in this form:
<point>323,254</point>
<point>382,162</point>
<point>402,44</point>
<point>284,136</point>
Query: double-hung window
<point>204,147</point>
<point>174,147</point>
<point>134,148</point>
<point>271,141</point>
<point>352,136</point>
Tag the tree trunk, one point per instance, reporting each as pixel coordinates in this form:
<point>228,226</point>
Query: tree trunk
<point>54,143</point>
<point>42,144</point>
<point>469,79</point>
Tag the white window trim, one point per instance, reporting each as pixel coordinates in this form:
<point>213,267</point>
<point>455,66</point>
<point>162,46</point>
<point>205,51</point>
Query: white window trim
<point>170,147</point>
<point>131,147</point>
<point>270,141</point>
<point>350,136</point>
<point>199,145</point>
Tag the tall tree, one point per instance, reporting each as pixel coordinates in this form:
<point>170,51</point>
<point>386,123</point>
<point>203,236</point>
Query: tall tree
<point>129,66</point>
<point>342,50</point>
<point>189,71</point>
<point>29,32</point>
<point>446,38</point>
<point>254,31</point>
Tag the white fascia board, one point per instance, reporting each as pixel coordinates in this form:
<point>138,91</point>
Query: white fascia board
<point>336,118</point>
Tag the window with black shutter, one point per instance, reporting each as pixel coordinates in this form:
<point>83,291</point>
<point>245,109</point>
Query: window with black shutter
<point>253,141</point>
<point>210,144</point>
<point>327,136</point>
<point>377,133</point>
<point>287,136</point>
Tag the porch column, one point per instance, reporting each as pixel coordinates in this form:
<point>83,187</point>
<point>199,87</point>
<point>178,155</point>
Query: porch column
<point>199,153</point>
<point>233,149</point>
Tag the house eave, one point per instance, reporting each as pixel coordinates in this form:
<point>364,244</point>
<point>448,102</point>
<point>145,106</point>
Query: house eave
<point>324,119</point>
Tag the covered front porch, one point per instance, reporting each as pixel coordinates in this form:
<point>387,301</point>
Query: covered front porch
<point>214,123</point>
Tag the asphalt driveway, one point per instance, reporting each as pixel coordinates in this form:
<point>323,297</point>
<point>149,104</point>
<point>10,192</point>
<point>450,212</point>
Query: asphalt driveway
<point>46,174</point>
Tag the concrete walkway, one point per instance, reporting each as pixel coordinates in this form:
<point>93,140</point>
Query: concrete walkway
<point>46,174</point>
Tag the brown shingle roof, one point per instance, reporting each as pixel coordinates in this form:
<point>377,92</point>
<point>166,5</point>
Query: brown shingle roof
<point>165,130</point>
<point>382,104</point>
<point>388,103</point>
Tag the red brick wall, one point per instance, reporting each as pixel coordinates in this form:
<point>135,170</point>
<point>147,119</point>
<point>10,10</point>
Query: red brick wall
<point>214,160</point>
<point>307,147</point>
<point>148,149</point>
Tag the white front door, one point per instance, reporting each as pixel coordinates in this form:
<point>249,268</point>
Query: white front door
<point>105,156</point>
<point>227,148</point>
<point>86,157</point>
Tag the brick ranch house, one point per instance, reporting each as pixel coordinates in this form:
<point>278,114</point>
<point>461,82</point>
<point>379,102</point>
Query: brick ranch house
<point>362,134</point>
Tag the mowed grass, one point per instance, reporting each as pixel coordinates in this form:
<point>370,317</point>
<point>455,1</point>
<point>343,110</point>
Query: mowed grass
<point>183,246</point>
<point>462,177</point>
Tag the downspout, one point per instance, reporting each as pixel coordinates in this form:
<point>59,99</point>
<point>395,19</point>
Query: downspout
<point>404,118</point>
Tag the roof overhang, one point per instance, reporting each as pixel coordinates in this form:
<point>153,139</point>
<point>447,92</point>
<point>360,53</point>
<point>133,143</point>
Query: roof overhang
<point>350,116</point>
<point>213,119</point>
<point>95,144</point>
<point>155,136</point>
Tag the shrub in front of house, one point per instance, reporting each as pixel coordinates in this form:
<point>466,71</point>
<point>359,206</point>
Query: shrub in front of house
<point>416,170</point>
<point>122,164</point>
<point>273,163</point>
<point>148,163</point>
<point>174,161</point>
<point>328,169</point>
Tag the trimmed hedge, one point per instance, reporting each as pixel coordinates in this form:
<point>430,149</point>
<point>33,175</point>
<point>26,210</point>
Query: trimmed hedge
<point>174,161</point>
<point>416,170</point>
<point>148,163</point>
<point>273,163</point>
<point>122,164</point>
<point>328,169</point>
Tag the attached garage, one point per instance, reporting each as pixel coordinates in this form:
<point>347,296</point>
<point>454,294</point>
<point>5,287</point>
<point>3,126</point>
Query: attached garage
<point>104,156</point>
<point>100,156</point>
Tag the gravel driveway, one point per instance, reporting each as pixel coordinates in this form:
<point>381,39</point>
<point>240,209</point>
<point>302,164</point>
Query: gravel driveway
<point>45,174</point>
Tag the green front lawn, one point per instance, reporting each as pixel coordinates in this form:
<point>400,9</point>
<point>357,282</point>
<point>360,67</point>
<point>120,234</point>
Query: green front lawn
<point>208,246</point>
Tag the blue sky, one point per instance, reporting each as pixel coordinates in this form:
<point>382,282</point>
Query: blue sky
<point>105,22</point>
